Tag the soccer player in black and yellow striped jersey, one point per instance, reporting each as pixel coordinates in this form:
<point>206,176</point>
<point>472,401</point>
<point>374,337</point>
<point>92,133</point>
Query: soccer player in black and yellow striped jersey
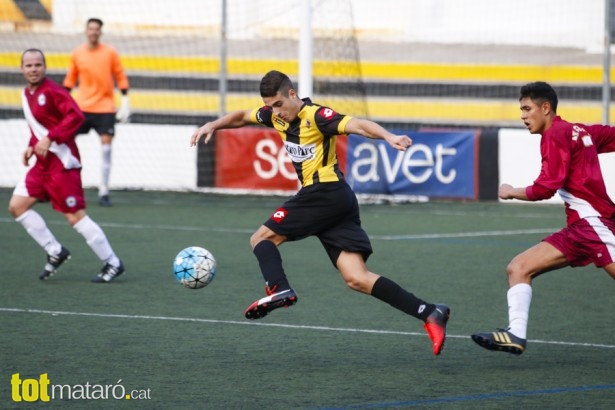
<point>325,206</point>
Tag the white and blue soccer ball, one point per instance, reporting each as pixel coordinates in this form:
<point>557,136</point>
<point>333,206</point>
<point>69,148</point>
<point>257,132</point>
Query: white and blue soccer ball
<point>194,267</point>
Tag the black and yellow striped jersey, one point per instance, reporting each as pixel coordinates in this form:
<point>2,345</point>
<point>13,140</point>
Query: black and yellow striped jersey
<point>309,140</point>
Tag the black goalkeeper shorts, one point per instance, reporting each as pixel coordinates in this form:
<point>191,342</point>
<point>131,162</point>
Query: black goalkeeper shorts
<point>103,124</point>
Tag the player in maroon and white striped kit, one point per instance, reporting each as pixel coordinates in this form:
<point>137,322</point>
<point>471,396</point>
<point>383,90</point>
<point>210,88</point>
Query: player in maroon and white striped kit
<point>570,167</point>
<point>54,118</point>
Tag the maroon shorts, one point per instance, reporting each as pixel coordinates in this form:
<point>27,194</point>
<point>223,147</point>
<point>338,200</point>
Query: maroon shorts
<point>589,240</point>
<point>63,189</point>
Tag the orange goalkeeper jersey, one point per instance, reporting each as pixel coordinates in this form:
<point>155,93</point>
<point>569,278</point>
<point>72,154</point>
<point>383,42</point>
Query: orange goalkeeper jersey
<point>96,71</point>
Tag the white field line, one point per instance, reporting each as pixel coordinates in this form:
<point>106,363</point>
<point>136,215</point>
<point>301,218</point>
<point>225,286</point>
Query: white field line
<point>279,325</point>
<point>443,235</point>
<point>464,234</point>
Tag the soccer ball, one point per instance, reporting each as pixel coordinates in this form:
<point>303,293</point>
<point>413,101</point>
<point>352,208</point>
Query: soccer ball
<point>194,267</point>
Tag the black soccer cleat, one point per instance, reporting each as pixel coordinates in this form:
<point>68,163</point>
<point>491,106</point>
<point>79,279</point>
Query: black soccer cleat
<point>435,325</point>
<point>502,341</point>
<point>53,263</point>
<point>108,273</point>
<point>263,306</point>
<point>104,200</point>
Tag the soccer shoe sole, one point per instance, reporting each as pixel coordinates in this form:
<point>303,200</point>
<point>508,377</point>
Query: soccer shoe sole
<point>436,327</point>
<point>262,307</point>
<point>500,341</point>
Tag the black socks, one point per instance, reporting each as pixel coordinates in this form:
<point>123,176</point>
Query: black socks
<point>390,292</point>
<point>270,263</point>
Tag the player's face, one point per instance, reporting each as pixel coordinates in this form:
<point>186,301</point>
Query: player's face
<point>286,108</point>
<point>93,33</point>
<point>33,68</point>
<point>534,116</point>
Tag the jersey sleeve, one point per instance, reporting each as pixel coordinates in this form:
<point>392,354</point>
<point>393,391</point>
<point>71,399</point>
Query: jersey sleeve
<point>556,155</point>
<point>263,116</point>
<point>603,137</point>
<point>118,72</point>
<point>72,117</point>
<point>70,81</point>
<point>330,122</point>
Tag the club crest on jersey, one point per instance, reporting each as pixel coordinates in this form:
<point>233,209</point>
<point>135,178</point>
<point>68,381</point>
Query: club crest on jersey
<point>42,100</point>
<point>308,124</point>
<point>279,215</point>
<point>326,112</point>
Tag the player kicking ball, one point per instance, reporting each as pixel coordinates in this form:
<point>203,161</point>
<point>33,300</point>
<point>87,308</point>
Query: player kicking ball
<point>325,206</point>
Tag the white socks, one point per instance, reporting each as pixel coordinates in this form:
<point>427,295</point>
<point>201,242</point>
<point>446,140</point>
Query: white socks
<point>106,170</point>
<point>97,240</point>
<point>519,299</point>
<point>36,227</point>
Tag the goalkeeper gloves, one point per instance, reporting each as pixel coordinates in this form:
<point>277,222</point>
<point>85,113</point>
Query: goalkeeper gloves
<point>123,113</point>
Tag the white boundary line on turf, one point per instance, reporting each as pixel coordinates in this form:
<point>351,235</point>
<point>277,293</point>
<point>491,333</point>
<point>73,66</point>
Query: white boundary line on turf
<point>233,322</point>
<point>464,234</point>
<point>380,237</point>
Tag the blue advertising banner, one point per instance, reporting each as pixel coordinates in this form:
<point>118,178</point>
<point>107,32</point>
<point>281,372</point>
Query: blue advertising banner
<point>438,164</point>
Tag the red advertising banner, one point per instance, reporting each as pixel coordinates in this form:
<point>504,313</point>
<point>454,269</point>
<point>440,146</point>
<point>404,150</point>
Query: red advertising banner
<point>252,158</point>
<point>255,158</point>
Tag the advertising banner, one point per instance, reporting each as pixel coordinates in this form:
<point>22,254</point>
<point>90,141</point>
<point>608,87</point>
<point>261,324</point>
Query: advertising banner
<point>438,164</point>
<point>255,158</point>
<point>252,158</point>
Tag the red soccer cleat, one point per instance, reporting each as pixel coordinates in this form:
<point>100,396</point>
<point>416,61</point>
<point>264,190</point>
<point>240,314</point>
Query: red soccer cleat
<point>435,325</point>
<point>263,306</point>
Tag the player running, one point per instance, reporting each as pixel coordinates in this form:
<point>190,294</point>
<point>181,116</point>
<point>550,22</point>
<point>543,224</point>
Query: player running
<point>325,206</point>
<point>571,168</point>
<point>54,118</point>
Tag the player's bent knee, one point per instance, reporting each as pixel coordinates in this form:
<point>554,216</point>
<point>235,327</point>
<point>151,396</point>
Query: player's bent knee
<point>265,234</point>
<point>17,208</point>
<point>353,284</point>
<point>516,267</point>
<point>256,238</point>
<point>357,284</point>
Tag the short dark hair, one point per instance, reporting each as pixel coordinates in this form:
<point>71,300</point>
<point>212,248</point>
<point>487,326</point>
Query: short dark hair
<point>95,20</point>
<point>33,50</point>
<point>539,92</point>
<point>273,82</point>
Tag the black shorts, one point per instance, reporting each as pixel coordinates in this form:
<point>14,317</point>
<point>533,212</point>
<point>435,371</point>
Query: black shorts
<point>103,124</point>
<point>330,212</point>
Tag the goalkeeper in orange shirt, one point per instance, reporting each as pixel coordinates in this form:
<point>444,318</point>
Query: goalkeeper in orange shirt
<point>96,69</point>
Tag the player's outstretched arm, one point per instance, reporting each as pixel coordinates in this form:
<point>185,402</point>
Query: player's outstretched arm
<point>231,120</point>
<point>370,129</point>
